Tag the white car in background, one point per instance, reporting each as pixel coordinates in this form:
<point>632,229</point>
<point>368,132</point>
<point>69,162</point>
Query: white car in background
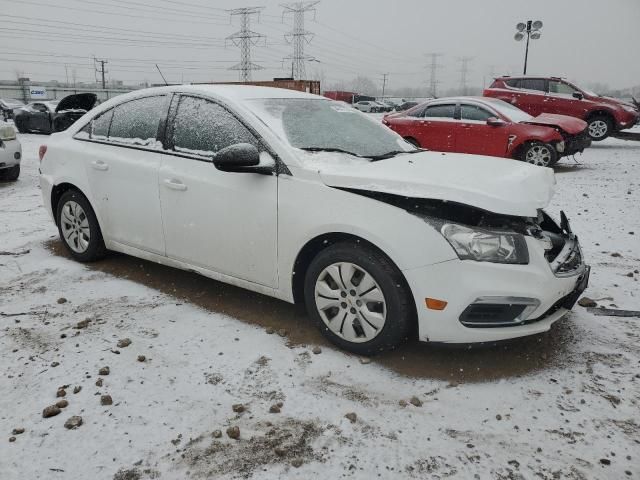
<point>367,106</point>
<point>297,197</point>
<point>10,153</point>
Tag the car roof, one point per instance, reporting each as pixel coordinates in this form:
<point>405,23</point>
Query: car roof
<point>234,92</point>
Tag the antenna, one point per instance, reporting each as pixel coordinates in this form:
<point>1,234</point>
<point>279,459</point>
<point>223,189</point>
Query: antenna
<point>164,79</point>
<point>244,39</point>
<point>298,36</point>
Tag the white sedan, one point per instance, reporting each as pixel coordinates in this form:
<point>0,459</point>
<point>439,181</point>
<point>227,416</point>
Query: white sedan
<point>298,197</point>
<point>10,153</point>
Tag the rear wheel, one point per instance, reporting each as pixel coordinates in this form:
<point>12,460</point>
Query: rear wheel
<point>540,154</point>
<point>358,298</point>
<point>10,174</point>
<point>79,228</point>
<point>599,127</point>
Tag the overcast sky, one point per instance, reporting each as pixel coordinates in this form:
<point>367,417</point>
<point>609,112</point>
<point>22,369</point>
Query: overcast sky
<point>584,40</point>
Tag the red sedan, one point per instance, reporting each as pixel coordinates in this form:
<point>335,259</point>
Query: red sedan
<point>488,126</point>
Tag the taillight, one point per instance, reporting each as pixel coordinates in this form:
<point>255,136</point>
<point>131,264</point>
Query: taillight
<point>41,151</point>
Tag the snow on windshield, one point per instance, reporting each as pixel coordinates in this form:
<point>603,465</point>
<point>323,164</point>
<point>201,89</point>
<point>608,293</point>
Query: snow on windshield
<point>325,124</point>
<point>509,111</point>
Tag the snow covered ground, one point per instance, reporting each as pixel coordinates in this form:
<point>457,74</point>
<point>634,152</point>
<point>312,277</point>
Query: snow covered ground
<point>563,405</point>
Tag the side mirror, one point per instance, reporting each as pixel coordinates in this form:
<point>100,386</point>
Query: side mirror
<point>578,95</point>
<point>241,157</point>
<point>495,122</point>
<point>238,155</point>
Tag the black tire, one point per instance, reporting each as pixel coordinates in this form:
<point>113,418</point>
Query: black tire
<point>413,142</point>
<point>599,127</point>
<point>96,248</point>
<point>539,153</point>
<point>10,174</point>
<point>400,312</point>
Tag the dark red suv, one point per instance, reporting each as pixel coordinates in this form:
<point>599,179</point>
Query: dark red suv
<point>536,95</point>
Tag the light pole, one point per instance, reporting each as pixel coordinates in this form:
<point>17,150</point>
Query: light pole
<point>532,30</point>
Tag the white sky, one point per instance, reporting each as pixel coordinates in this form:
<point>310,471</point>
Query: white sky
<point>584,40</point>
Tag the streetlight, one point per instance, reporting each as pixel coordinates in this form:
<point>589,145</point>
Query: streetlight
<point>532,30</point>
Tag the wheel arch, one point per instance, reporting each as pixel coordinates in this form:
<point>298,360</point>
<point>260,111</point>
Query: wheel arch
<point>314,246</point>
<point>413,141</point>
<point>56,193</point>
<point>604,113</point>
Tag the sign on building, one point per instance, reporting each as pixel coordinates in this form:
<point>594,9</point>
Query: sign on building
<point>38,93</point>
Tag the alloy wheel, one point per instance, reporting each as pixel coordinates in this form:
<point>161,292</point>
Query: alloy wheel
<point>75,227</point>
<point>598,128</point>
<point>350,302</point>
<point>539,155</point>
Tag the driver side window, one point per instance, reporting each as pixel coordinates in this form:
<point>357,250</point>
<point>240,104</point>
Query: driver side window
<point>203,128</point>
<point>561,88</point>
<point>473,112</point>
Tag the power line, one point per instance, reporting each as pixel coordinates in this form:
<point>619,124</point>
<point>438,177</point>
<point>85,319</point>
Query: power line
<point>299,36</point>
<point>432,68</point>
<point>244,39</point>
<point>464,70</point>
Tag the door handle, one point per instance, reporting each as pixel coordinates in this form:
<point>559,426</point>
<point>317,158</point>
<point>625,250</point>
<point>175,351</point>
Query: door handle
<point>99,165</point>
<point>175,184</point>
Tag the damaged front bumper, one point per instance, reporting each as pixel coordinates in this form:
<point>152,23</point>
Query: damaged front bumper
<point>575,144</point>
<point>493,302</point>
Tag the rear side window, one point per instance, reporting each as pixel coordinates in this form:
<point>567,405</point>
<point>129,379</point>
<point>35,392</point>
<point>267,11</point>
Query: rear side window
<point>136,122</point>
<point>513,82</point>
<point>473,112</point>
<point>202,127</point>
<point>100,126</point>
<point>440,111</point>
<point>533,84</point>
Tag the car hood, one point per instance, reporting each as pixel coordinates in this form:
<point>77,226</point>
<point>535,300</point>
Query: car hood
<point>79,101</point>
<point>497,185</point>
<point>571,125</point>
<point>613,102</point>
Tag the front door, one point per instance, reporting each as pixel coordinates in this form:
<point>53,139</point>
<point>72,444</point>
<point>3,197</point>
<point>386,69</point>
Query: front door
<point>475,136</point>
<point>222,221</point>
<point>122,165</point>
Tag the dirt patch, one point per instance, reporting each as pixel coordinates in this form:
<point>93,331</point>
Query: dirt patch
<point>286,442</point>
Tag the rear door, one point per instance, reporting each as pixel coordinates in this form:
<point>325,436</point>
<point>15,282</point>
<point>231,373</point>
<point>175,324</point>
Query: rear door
<point>532,97</point>
<point>122,164</point>
<point>437,127</point>
<point>222,221</point>
<point>476,137</point>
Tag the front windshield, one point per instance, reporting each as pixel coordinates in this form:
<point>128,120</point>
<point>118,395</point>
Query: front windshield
<point>318,124</point>
<point>510,111</point>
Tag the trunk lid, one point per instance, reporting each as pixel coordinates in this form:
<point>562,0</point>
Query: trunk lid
<point>498,185</point>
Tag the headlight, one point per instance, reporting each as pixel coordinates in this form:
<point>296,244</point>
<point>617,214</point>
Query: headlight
<point>560,146</point>
<point>630,109</point>
<point>486,246</point>
<point>7,132</point>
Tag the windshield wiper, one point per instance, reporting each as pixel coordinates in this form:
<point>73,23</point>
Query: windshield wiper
<point>330,149</point>
<point>393,153</point>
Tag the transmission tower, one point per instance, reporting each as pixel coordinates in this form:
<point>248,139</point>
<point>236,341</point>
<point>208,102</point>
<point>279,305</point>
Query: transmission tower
<point>432,68</point>
<point>101,70</point>
<point>464,70</point>
<point>299,36</point>
<point>245,39</point>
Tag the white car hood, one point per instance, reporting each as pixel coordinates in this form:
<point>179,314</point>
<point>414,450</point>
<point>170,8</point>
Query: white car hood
<point>498,185</point>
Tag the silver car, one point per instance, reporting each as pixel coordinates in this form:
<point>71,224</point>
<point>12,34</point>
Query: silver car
<point>10,153</point>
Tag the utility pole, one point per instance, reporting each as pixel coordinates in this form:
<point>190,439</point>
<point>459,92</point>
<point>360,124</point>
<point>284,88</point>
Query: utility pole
<point>384,83</point>
<point>432,68</point>
<point>464,70</point>
<point>101,70</point>
<point>245,39</point>
<point>299,36</point>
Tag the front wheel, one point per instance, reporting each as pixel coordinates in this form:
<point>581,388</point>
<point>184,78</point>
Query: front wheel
<point>358,298</point>
<point>10,174</point>
<point>540,154</point>
<point>79,228</point>
<point>599,127</point>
